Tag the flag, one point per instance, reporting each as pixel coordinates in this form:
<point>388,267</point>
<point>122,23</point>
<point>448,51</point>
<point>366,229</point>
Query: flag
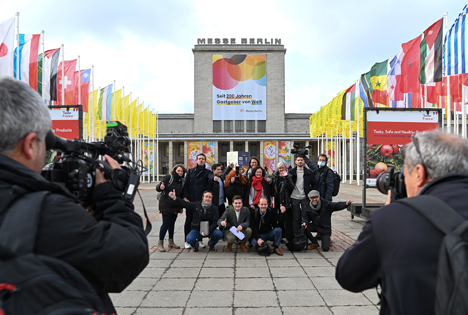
<point>7,44</point>
<point>378,80</point>
<point>83,78</point>
<point>431,54</point>
<point>28,48</point>
<point>68,81</point>
<point>49,74</point>
<point>348,109</point>
<point>410,66</point>
<point>115,113</point>
<point>393,81</point>
<point>364,91</point>
<point>104,105</point>
<point>455,58</point>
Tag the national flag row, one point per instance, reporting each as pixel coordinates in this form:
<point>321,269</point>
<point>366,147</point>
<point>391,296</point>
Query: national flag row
<point>428,72</point>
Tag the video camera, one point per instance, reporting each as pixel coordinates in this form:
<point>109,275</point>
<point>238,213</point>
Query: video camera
<point>394,181</point>
<point>237,178</point>
<point>302,151</point>
<point>76,167</point>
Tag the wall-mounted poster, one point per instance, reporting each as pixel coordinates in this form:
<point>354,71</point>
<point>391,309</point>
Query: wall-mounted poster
<point>269,155</point>
<point>284,152</point>
<point>148,156</point>
<point>239,87</point>
<point>208,150</point>
<point>193,149</point>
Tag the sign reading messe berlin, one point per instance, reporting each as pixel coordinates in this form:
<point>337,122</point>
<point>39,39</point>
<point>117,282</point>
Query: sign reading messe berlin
<point>239,87</point>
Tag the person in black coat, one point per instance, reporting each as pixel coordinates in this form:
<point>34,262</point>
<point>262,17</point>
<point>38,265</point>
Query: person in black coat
<point>281,188</point>
<point>398,248</point>
<point>203,210</point>
<point>323,176</point>
<point>317,218</point>
<point>264,226</point>
<point>256,187</point>
<point>197,180</point>
<point>234,184</point>
<point>217,188</point>
<point>168,207</point>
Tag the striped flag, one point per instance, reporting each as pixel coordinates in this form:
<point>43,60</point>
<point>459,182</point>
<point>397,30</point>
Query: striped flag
<point>364,90</point>
<point>393,81</point>
<point>378,80</point>
<point>348,107</point>
<point>7,43</point>
<point>28,48</point>
<point>456,57</point>
<point>431,54</point>
<point>49,74</point>
<point>104,104</point>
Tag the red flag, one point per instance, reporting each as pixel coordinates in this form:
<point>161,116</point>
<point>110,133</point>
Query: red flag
<point>410,66</point>
<point>84,88</point>
<point>432,96</point>
<point>68,82</point>
<point>33,61</point>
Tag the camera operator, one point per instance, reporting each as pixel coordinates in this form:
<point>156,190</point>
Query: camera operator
<point>323,175</point>
<point>281,187</point>
<point>110,248</point>
<point>398,248</point>
<point>234,183</point>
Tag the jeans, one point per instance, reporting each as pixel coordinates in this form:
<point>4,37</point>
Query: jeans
<point>195,236</point>
<point>297,206</point>
<point>274,235</point>
<point>168,223</point>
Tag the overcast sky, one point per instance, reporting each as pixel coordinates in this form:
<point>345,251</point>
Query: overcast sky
<point>146,46</point>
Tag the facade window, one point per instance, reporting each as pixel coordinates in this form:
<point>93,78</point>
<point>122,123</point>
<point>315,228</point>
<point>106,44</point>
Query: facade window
<point>181,149</point>
<point>239,147</point>
<point>228,126</point>
<point>253,150</point>
<point>239,126</point>
<point>217,126</point>
<point>250,125</point>
<point>224,149</point>
<point>166,149</point>
<point>261,126</point>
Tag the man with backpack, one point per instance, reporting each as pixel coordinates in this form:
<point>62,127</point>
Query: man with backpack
<point>402,247</point>
<point>75,258</point>
<point>323,176</point>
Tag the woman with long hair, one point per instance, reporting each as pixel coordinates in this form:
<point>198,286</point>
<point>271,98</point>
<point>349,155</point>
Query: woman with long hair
<point>253,163</point>
<point>257,187</point>
<point>168,207</point>
<point>234,185</point>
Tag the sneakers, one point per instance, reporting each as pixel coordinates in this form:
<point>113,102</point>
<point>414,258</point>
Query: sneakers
<point>201,244</point>
<point>187,245</point>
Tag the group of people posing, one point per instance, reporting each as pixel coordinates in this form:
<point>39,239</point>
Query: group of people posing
<point>260,208</point>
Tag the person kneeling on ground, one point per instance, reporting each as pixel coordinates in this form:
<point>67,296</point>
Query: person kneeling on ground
<point>203,210</point>
<point>238,216</point>
<point>317,218</point>
<point>264,226</point>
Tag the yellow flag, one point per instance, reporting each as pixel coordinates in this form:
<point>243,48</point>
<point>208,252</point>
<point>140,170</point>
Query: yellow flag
<point>117,95</point>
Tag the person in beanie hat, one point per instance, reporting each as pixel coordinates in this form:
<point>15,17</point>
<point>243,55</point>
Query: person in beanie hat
<point>317,218</point>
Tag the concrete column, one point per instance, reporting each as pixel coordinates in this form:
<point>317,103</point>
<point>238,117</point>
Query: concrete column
<point>216,152</point>
<point>185,154</point>
<point>171,156</point>
<point>231,146</point>
<point>261,153</point>
<point>246,149</point>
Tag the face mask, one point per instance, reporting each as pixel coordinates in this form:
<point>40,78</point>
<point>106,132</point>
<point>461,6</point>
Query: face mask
<point>321,164</point>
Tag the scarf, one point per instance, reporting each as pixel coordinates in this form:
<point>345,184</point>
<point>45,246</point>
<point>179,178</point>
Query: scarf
<point>317,207</point>
<point>257,185</point>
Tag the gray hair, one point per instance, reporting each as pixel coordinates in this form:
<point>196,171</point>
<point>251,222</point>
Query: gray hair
<point>282,163</point>
<point>22,111</point>
<point>442,154</point>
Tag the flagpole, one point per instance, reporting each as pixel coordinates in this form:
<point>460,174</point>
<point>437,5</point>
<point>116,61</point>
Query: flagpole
<point>351,153</point>
<point>463,113</point>
<point>157,146</point>
<point>17,47</point>
<point>343,151</point>
<point>63,75</point>
<point>358,146</point>
<point>425,95</point>
<point>122,100</point>
<point>79,81</point>
<point>154,144</point>
<point>91,125</point>
<point>99,125</point>
<point>43,60</point>
<point>440,104</point>
<point>115,104</point>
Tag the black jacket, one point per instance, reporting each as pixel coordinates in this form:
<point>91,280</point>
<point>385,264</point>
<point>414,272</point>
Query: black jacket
<point>398,249</point>
<point>281,188</point>
<point>244,219</point>
<point>197,180</point>
<point>109,249</point>
<point>264,226</point>
<point>324,179</point>
<point>200,214</point>
<point>309,180</point>
<point>321,220</point>
<point>215,187</point>
<point>166,204</point>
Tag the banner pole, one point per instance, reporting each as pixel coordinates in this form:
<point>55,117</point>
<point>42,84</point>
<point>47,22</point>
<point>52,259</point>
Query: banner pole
<point>63,75</point>
<point>17,47</point>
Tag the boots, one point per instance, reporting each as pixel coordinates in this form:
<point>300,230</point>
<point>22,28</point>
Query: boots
<point>161,246</point>
<point>229,247</point>
<point>171,244</point>
<point>313,246</point>
<point>244,248</point>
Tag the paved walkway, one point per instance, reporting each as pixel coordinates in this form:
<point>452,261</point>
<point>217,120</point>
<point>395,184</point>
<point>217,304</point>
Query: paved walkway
<point>185,282</point>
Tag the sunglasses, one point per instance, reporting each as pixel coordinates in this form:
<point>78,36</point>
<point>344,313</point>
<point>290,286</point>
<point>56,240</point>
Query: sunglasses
<point>416,146</point>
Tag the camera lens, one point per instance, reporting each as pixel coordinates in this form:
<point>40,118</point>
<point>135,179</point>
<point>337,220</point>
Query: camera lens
<point>382,182</point>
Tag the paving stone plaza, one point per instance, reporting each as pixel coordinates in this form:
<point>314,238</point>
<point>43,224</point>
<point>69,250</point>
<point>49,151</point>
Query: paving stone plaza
<point>218,282</point>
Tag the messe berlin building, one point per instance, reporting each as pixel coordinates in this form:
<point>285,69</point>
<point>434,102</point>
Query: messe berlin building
<point>239,105</point>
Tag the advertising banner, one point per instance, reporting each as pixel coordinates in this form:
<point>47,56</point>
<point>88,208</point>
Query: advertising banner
<point>387,132</point>
<point>239,87</point>
<point>148,158</point>
<point>66,123</point>
<point>193,149</point>
<point>269,155</point>
<point>284,152</point>
<point>208,150</point>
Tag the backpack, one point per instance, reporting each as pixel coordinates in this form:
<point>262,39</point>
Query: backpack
<point>159,193</point>
<point>36,284</point>
<point>336,183</point>
<point>299,242</point>
<point>265,250</point>
<point>452,275</point>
